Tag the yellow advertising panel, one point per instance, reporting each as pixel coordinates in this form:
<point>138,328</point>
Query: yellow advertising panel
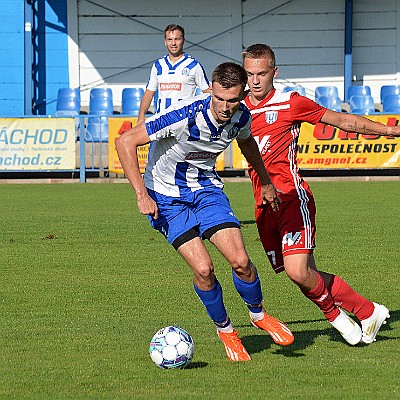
<point>325,147</point>
<point>319,147</point>
<point>238,160</point>
<point>29,144</point>
<point>116,127</point>
<point>220,162</point>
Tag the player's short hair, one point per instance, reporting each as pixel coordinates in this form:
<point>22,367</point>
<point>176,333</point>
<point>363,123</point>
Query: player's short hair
<point>174,27</point>
<point>229,74</point>
<point>259,50</point>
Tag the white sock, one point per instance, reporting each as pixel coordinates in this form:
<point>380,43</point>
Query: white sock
<point>226,329</point>
<point>256,316</point>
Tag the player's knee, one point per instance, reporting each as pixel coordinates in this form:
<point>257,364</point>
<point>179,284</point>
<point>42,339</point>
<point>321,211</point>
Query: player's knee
<point>204,274</point>
<point>300,277</point>
<point>241,265</point>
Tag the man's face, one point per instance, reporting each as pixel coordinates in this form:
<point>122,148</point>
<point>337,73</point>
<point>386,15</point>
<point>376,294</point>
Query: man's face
<point>174,42</point>
<point>260,76</point>
<point>225,102</point>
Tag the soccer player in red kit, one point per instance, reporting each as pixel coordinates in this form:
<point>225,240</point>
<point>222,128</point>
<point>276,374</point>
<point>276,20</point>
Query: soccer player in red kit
<point>288,235</point>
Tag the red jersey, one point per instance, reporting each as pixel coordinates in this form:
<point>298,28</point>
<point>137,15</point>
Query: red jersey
<point>276,127</point>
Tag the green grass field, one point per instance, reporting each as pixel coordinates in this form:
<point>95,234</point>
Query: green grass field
<point>85,283</point>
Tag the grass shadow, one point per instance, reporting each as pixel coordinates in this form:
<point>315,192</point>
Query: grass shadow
<point>304,339</point>
<point>196,365</point>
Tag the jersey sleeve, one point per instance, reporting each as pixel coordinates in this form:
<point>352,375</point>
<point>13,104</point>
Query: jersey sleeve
<point>245,119</point>
<point>152,83</point>
<point>170,123</point>
<point>305,110</point>
<point>200,78</point>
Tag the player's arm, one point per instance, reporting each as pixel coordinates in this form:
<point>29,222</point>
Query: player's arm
<point>145,104</point>
<point>250,150</point>
<point>126,146</point>
<point>358,124</point>
<point>201,80</point>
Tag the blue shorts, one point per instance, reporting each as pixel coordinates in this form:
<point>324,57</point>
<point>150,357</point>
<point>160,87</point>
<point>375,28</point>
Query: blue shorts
<point>200,213</point>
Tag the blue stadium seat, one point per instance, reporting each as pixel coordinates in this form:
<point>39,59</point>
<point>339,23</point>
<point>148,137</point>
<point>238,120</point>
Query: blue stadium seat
<point>100,107</point>
<point>332,102</point>
<point>68,102</point>
<point>358,91</point>
<point>388,90</point>
<point>101,101</point>
<point>362,104</point>
<point>327,91</point>
<point>391,104</point>
<point>299,89</point>
<point>131,99</point>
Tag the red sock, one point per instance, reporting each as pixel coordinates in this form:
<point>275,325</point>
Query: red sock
<point>323,299</point>
<point>348,299</point>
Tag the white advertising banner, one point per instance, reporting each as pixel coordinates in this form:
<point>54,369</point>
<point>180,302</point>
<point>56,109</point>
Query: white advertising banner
<point>31,144</point>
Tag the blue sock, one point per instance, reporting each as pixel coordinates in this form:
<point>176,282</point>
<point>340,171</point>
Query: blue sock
<point>212,300</point>
<point>250,292</point>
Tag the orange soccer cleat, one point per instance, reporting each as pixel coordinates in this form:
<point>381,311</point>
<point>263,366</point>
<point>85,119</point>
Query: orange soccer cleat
<point>278,330</point>
<point>233,346</point>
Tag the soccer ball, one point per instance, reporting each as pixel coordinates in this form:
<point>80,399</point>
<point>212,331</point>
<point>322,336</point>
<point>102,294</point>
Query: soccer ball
<point>171,347</point>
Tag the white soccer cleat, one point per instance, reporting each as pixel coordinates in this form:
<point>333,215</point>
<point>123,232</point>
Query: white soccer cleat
<point>371,325</point>
<point>348,328</point>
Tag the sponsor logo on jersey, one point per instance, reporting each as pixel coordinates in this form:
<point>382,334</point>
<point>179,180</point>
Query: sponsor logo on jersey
<point>186,71</point>
<point>271,116</point>
<point>322,298</point>
<point>291,238</point>
<point>201,155</point>
<point>171,86</point>
<point>263,144</point>
<point>233,132</point>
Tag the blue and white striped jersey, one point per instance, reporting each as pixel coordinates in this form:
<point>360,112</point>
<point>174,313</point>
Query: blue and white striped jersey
<point>186,140</point>
<point>176,81</point>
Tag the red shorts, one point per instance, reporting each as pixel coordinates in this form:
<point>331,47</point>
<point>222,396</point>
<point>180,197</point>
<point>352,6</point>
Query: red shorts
<point>290,230</point>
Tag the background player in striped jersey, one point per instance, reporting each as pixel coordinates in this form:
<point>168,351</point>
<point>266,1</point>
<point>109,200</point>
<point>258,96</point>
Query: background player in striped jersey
<point>288,235</point>
<point>183,196</point>
<point>175,76</point>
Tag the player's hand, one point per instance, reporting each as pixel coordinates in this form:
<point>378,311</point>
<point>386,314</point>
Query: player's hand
<point>394,131</point>
<point>147,206</point>
<point>269,194</point>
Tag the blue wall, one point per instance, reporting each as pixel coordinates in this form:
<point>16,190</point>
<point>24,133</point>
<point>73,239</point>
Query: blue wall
<point>51,68</point>
<point>12,58</point>
<point>50,56</point>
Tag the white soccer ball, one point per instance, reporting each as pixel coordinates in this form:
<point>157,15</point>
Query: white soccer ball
<point>171,347</point>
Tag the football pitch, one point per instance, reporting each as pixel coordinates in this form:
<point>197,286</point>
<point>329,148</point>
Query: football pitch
<point>85,283</point>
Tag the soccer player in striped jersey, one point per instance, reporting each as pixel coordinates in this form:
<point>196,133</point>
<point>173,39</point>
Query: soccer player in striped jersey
<point>183,197</point>
<point>175,76</point>
<point>288,234</point>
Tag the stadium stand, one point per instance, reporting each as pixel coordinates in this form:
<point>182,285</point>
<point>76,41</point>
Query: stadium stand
<point>362,104</point>
<point>327,91</point>
<point>358,91</point>
<point>332,102</point>
<point>299,89</point>
<point>100,107</point>
<point>388,90</point>
<point>391,104</point>
<point>131,98</point>
<point>68,102</point>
